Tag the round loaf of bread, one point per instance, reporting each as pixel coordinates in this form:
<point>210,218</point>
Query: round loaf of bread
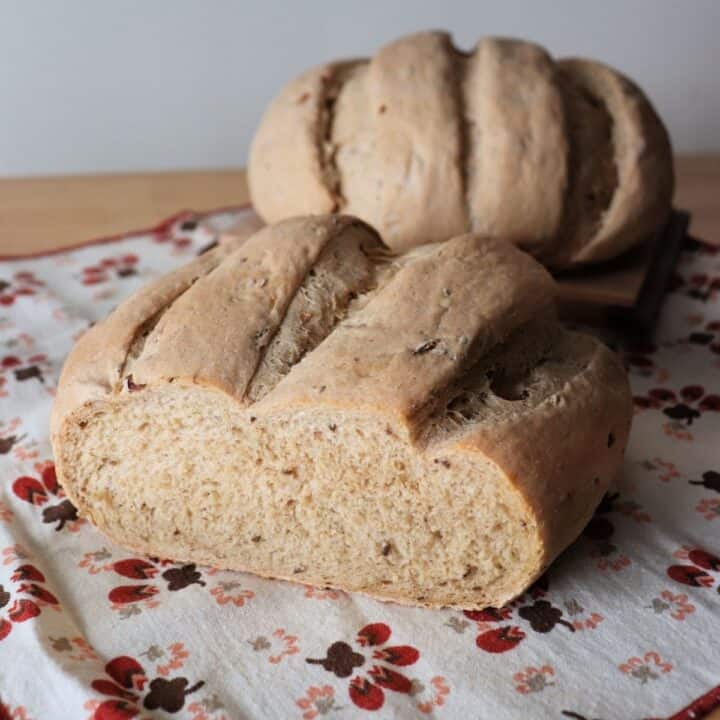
<point>567,159</point>
<point>303,405</point>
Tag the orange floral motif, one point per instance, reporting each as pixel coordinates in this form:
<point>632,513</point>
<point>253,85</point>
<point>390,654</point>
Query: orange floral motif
<point>93,561</point>
<point>439,691</point>
<point>616,565</point>
<point>682,606</point>
<point>667,471</point>
<point>318,700</point>
<point>574,609</point>
<point>26,453</point>
<point>6,514</point>
<point>13,553</point>
<point>78,648</point>
<point>533,679</point>
<point>224,593</point>
<point>677,431</point>
<point>205,709</point>
<point>590,624</point>
<point>709,508</point>
<point>646,668</point>
<point>178,655</point>
<point>91,706</point>
<point>290,646</point>
<point>683,553</point>
<point>322,594</point>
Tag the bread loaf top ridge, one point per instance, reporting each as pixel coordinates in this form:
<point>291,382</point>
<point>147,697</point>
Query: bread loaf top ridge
<point>568,159</point>
<point>324,384</point>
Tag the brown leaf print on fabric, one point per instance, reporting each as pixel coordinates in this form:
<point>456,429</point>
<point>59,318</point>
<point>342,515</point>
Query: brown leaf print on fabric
<point>368,691</point>
<point>7,443</point>
<point>62,513</point>
<point>169,695</point>
<point>179,578</point>
<point>340,659</point>
<point>543,617</point>
<point>683,407</point>
<point>41,491</point>
<point>710,480</point>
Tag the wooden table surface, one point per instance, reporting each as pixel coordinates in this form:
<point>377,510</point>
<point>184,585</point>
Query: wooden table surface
<point>39,214</point>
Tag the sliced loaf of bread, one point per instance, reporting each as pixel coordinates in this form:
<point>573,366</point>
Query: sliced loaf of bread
<point>304,405</point>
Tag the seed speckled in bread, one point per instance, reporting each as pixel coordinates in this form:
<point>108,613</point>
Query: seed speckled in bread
<point>568,159</point>
<point>304,405</point>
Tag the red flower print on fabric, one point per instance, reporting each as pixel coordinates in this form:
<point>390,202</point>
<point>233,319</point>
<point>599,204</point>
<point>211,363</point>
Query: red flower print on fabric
<point>367,690</point>
<point>177,233</point>
<point>708,337</point>
<point>22,284</point>
<point>540,615</point>
<point>500,640</point>
<point>638,360</point>
<point>697,573</point>
<point>40,491</point>
<point>121,266</point>
<point>682,408</point>
<point>176,578</point>
<point>33,367</point>
<point>26,580</point>
<point>698,286</point>
<point>19,712</point>
<point>131,689</point>
<point>159,575</point>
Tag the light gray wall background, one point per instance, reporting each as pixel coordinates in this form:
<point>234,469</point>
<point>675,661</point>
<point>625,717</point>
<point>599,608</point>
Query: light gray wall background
<point>115,85</point>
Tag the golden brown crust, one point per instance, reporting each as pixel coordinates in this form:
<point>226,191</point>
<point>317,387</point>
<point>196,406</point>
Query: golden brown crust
<point>93,370</point>
<point>427,143</point>
<point>441,320</point>
<point>643,161</point>
<point>287,171</point>
<point>443,310</point>
<point>563,453</point>
<point>518,152</point>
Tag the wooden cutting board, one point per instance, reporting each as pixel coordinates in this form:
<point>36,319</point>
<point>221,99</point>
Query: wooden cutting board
<point>628,291</point>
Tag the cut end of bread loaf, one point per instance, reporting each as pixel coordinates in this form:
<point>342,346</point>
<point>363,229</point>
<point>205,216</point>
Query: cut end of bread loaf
<point>307,407</point>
